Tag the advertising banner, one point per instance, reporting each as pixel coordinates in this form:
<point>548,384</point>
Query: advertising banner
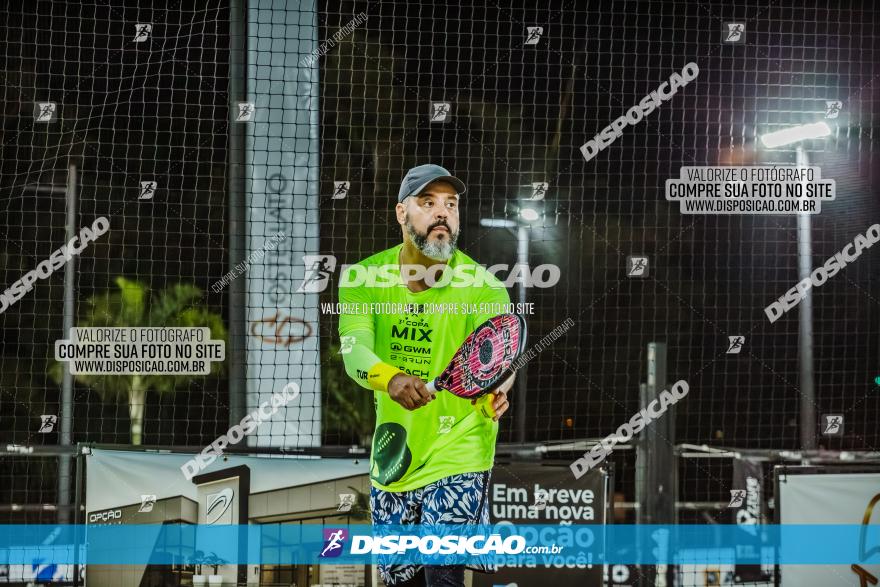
<point>527,493</point>
<point>840,498</point>
<point>282,202</point>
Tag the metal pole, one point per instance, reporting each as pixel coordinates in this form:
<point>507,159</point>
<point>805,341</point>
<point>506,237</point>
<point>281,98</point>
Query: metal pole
<point>805,324</point>
<point>237,210</point>
<point>656,467</point>
<point>66,435</point>
<point>521,406</point>
<point>80,465</point>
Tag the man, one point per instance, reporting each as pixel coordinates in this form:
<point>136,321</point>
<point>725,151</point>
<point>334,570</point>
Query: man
<point>432,454</point>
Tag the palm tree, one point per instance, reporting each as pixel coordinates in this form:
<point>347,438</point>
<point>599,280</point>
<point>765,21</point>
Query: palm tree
<point>132,306</point>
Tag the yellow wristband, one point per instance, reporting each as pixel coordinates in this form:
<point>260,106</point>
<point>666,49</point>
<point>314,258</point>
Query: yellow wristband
<point>380,374</point>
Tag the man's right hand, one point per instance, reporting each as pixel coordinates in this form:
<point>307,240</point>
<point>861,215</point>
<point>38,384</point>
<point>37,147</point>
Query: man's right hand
<point>409,391</point>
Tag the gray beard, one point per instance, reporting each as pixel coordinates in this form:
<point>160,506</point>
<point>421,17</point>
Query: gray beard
<point>441,251</point>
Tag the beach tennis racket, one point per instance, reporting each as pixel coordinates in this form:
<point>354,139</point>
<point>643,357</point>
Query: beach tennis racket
<point>483,361</point>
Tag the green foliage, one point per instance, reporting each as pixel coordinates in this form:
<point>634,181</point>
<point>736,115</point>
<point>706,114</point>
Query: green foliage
<point>348,408</point>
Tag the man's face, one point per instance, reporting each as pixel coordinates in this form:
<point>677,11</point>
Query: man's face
<point>431,220</point>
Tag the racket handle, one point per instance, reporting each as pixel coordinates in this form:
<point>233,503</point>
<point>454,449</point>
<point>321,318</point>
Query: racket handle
<point>484,405</point>
<point>432,386</point>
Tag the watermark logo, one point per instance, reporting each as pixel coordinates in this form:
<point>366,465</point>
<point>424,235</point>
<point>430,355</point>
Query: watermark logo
<point>346,344</point>
<point>737,497</point>
<point>533,34</point>
<point>634,115</point>
<point>447,544</point>
<point>148,501</point>
<point>246,112</point>
<point>237,432</point>
<point>539,190</point>
<point>56,260</point>
<point>833,109</point>
<point>735,344</point>
<point>243,266</point>
<point>734,33</point>
<point>823,273</point>
<point>446,423</point>
<point>340,190</point>
<point>627,430</point>
<point>832,424</point>
<point>142,32</point>
<point>47,423</point>
<point>45,111</point>
<point>440,111</point>
<point>346,501</point>
<point>148,190</point>
<point>319,269</point>
<point>541,498</point>
<point>637,266</point>
<point>325,46</point>
<point>334,541</point>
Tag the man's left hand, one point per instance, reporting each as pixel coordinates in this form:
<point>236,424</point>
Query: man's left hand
<point>500,403</point>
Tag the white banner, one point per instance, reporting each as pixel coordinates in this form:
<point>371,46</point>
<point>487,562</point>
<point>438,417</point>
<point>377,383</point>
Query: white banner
<point>828,499</point>
<point>282,197</point>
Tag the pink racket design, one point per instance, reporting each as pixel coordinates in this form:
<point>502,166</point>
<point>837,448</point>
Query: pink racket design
<point>484,359</point>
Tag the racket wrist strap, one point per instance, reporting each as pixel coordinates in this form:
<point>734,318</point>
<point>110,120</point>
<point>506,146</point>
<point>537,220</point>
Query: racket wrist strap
<point>380,375</point>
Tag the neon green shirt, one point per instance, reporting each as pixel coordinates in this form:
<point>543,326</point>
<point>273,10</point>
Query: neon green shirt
<point>448,436</point>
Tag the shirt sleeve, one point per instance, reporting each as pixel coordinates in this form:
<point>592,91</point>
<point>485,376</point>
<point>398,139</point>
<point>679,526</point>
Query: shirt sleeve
<point>357,336</point>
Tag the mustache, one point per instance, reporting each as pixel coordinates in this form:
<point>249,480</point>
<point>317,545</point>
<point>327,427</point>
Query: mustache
<point>440,223</point>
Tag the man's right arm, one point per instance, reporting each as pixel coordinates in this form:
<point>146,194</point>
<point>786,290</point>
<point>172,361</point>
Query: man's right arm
<point>361,362</point>
<point>357,335</point>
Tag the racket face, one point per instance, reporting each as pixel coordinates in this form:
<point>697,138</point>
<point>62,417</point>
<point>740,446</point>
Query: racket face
<point>485,356</point>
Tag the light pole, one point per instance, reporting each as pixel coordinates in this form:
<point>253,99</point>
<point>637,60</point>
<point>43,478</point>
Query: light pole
<point>781,138</point>
<point>520,231</point>
<point>66,428</point>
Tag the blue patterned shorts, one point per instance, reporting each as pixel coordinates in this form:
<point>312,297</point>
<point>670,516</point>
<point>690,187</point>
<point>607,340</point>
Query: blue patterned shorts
<point>458,499</point>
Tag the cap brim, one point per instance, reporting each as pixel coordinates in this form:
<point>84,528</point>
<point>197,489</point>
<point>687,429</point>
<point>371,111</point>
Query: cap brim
<point>459,186</point>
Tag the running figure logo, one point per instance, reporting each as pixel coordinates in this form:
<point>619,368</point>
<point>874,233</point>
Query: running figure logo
<point>539,190</point>
<point>734,32</point>
<point>534,34</point>
<point>147,503</point>
<point>245,112</point>
<point>148,190</point>
<point>833,425</point>
<point>47,423</point>
<point>541,498</point>
<point>737,497</point>
<point>636,266</point>
<point>440,111</point>
<point>833,108</point>
<point>333,541</point>
<point>736,344</point>
<point>45,111</point>
<point>346,501</point>
<point>319,268</point>
<point>142,32</point>
<point>340,190</point>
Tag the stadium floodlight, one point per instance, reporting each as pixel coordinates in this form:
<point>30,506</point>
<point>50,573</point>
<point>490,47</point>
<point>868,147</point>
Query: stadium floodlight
<point>779,138</point>
<point>521,232</point>
<point>787,136</point>
<point>529,214</point>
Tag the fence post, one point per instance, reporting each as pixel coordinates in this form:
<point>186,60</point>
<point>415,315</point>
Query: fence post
<point>656,472</point>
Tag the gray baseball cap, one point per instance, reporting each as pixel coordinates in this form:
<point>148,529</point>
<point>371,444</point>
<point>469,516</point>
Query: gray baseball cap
<point>419,177</point>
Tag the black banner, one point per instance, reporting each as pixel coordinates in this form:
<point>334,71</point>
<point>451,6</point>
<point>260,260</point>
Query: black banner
<point>748,513</point>
<point>533,494</point>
